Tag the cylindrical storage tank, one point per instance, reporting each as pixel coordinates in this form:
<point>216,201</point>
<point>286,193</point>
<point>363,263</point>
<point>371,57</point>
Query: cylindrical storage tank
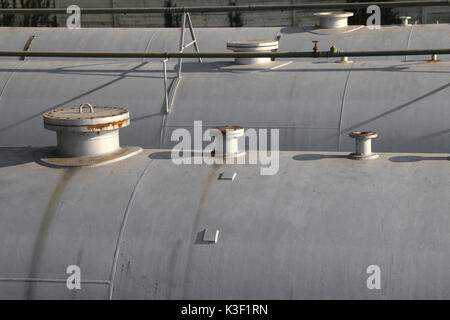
<point>137,228</point>
<point>314,105</point>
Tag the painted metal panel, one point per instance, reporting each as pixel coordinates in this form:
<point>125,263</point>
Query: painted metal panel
<point>309,102</point>
<point>309,231</point>
<point>40,86</point>
<point>214,39</point>
<point>408,105</point>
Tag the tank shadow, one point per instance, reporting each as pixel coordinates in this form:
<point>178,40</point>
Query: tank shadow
<point>317,156</point>
<point>406,159</point>
<point>14,156</point>
<point>167,155</point>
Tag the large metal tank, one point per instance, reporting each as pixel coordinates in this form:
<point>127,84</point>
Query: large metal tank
<point>136,228</point>
<point>313,103</point>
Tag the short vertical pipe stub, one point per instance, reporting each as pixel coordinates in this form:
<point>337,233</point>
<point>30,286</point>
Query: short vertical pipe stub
<point>405,20</point>
<point>363,145</point>
<point>345,60</point>
<point>227,145</point>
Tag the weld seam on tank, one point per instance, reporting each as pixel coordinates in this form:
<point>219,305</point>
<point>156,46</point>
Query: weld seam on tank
<point>344,96</point>
<point>44,280</point>
<point>122,229</point>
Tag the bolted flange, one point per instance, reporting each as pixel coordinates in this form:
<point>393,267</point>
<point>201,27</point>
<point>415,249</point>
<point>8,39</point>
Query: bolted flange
<point>363,145</point>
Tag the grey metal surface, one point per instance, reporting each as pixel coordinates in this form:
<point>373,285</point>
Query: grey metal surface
<point>313,104</point>
<point>309,231</point>
<point>42,86</point>
<point>214,39</point>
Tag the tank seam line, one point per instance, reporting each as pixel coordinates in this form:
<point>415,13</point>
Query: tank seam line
<point>49,280</point>
<point>149,41</point>
<point>344,94</point>
<point>409,39</point>
<point>122,229</point>
<point>9,79</point>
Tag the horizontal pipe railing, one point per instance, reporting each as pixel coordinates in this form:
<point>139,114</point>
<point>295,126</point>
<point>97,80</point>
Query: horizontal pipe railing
<point>167,55</point>
<point>274,7</point>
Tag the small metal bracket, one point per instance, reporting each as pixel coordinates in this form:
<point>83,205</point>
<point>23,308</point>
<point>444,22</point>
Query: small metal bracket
<point>170,97</point>
<point>210,236</point>
<point>184,17</point>
<point>227,176</point>
<point>166,94</point>
<point>86,105</point>
<point>316,48</point>
<point>277,38</point>
<point>27,46</point>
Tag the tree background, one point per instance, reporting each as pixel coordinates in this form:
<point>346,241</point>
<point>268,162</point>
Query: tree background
<point>28,20</point>
<point>360,16</point>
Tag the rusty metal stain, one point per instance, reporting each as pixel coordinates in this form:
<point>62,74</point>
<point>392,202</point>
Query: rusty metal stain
<point>49,214</point>
<point>212,177</point>
<point>88,116</point>
<point>109,126</point>
<point>27,45</point>
<point>225,128</point>
<point>432,61</point>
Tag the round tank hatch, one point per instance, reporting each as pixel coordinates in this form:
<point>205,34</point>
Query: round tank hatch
<point>252,46</point>
<point>329,20</point>
<point>87,135</point>
<point>87,118</point>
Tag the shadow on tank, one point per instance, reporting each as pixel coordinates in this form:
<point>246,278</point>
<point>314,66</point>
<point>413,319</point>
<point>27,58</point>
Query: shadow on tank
<point>317,156</point>
<point>14,156</point>
<point>405,159</point>
<point>167,155</point>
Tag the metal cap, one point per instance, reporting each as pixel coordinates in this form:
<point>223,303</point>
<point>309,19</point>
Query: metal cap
<point>363,134</point>
<point>405,20</point>
<point>329,20</point>
<point>252,46</point>
<point>86,118</point>
<point>87,131</point>
<point>246,44</point>
<point>363,145</point>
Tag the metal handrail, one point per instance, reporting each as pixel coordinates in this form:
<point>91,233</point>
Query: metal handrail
<point>240,8</point>
<point>333,52</point>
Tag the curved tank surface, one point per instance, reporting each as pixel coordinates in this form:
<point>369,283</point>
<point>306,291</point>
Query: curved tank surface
<point>215,39</point>
<point>147,228</point>
<point>137,228</point>
<point>314,104</point>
